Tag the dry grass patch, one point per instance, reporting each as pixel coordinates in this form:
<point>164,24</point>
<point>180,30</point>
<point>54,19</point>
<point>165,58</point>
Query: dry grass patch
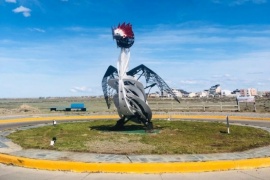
<point>123,145</point>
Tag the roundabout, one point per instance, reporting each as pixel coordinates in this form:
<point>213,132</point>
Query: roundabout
<point>88,162</point>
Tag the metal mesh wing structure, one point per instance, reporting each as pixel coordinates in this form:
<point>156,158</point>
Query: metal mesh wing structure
<point>151,77</point>
<point>108,91</point>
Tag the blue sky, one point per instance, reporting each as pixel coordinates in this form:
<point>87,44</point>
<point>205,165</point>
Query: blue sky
<point>63,47</point>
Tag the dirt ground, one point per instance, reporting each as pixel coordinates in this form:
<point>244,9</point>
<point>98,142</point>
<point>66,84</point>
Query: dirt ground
<point>23,109</point>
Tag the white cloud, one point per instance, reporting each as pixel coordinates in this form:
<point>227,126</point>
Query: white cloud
<point>241,2</point>
<point>25,11</point>
<point>221,75</point>
<point>10,1</point>
<point>37,30</point>
<point>205,35</point>
<point>259,1</point>
<point>188,82</point>
<point>216,1</point>
<point>81,89</point>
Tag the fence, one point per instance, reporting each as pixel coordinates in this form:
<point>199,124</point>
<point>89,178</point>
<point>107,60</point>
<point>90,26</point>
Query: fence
<point>173,106</point>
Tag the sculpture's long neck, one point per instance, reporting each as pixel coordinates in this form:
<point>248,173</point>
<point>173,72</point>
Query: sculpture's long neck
<point>124,106</point>
<point>123,62</point>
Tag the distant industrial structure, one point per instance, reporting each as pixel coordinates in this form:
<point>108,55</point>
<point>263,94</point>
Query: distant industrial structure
<point>215,90</point>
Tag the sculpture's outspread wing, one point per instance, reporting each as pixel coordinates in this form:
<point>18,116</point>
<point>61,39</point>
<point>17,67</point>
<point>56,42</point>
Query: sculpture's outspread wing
<point>108,91</point>
<point>151,77</point>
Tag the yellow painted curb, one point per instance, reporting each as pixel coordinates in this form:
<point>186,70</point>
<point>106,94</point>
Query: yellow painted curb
<point>218,117</point>
<point>114,116</point>
<point>175,167</point>
<point>58,118</point>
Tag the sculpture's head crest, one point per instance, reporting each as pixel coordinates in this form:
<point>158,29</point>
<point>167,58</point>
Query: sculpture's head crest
<point>123,35</point>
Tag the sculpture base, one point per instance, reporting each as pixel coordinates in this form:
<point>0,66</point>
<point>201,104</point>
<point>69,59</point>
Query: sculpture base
<point>119,126</point>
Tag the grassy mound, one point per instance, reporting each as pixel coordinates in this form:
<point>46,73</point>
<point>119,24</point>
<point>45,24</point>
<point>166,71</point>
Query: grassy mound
<point>171,137</point>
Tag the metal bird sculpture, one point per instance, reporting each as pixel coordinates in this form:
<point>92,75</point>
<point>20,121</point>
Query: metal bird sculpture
<point>124,89</point>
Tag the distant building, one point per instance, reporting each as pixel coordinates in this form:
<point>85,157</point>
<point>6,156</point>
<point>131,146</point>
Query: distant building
<point>177,92</point>
<point>215,90</point>
<point>154,95</point>
<point>184,93</point>
<point>192,94</point>
<point>206,91</point>
<point>235,93</point>
<point>248,92</point>
<point>253,92</point>
<point>164,94</point>
<point>202,94</point>
<point>226,93</point>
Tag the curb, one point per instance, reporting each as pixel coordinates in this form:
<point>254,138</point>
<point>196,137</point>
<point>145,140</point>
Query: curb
<point>183,167</point>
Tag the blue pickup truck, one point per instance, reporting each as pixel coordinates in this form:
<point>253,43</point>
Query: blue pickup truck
<point>73,106</point>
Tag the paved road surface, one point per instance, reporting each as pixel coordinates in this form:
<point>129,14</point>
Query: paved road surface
<point>18,173</point>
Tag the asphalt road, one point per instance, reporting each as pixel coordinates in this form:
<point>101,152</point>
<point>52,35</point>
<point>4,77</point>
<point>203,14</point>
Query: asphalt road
<point>16,125</point>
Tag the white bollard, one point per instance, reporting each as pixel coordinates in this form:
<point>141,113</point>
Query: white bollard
<point>52,143</point>
<point>228,125</point>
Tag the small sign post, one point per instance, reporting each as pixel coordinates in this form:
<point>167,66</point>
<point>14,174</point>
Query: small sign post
<point>228,125</point>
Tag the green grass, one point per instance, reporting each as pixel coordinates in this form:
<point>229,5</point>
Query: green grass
<point>173,137</point>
